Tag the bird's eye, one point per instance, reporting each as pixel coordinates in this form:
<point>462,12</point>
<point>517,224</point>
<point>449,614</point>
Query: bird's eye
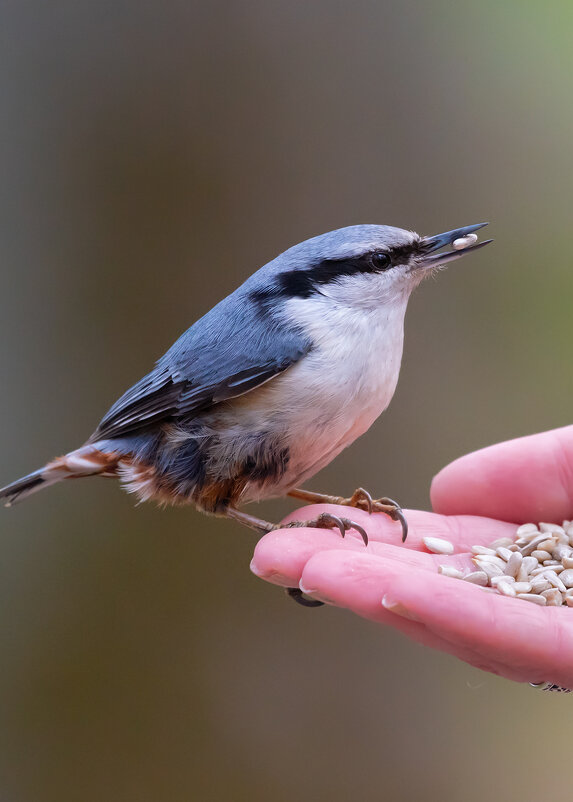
<point>381,261</point>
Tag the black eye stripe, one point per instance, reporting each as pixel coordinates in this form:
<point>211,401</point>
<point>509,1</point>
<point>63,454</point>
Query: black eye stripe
<point>401,254</point>
<point>304,283</point>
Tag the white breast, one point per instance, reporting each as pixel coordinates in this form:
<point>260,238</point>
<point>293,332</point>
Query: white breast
<point>335,393</point>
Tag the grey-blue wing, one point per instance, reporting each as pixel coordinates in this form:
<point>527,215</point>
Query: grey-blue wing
<point>222,356</point>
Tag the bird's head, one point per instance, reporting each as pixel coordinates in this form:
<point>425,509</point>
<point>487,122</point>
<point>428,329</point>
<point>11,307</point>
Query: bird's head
<point>363,266</point>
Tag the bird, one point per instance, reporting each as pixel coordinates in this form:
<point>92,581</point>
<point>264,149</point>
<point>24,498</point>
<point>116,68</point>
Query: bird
<point>271,384</point>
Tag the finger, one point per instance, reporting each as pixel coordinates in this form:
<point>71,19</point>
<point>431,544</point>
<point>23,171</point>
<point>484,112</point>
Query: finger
<point>281,555</point>
<point>531,643</point>
<point>528,479</point>
<point>464,531</point>
<point>360,581</point>
<point>508,636</point>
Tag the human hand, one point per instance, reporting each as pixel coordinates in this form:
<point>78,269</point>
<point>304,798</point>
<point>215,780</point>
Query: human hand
<point>529,479</point>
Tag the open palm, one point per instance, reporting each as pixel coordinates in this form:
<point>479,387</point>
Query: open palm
<point>479,498</point>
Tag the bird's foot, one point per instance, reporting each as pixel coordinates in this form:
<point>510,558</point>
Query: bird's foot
<point>361,499</point>
<point>327,520</point>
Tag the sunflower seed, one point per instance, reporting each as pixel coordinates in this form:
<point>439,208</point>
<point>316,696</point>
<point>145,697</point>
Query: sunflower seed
<point>552,577</point>
<point>553,596</point>
<point>532,597</point>
<point>529,564</point>
<point>543,527</point>
<point>476,578</point>
<point>514,563</point>
<point>491,569</point>
<point>482,550</point>
<point>449,570</point>
<point>507,589</point>
<point>437,545</point>
<point>522,587</point>
<point>495,580</point>
<point>489,558</point>
<point>502,542</point>
<point>567,577</point>
<point>543,569</point>
<point>532,544</point>
<point>464,242</point>
<point>539,583</point>
<point>526,529</point>
<point>560,551</point>
<point>540,556</point>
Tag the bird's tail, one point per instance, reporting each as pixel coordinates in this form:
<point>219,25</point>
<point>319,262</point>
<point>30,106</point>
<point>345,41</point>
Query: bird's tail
<point>85,461</point>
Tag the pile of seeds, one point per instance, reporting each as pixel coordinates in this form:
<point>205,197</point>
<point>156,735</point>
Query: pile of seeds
<point>536,566</point>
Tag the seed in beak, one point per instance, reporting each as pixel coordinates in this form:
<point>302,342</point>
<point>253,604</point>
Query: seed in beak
<point>464,242</point>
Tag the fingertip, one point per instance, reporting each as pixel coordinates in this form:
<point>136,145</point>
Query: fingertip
<point>265,563</point>
<point>526,479</point>
<point>447,486</point>
<point>280,556</point>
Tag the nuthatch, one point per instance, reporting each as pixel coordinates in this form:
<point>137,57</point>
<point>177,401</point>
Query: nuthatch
<point>270,385</point>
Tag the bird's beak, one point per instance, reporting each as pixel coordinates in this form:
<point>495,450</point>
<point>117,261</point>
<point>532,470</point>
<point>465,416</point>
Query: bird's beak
<point>430,244</point>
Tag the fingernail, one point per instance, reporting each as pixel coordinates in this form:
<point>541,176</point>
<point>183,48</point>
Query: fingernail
<point>315,594</point>
<point>255,570</point>
<point>270,576</point>
<point>397,608</point>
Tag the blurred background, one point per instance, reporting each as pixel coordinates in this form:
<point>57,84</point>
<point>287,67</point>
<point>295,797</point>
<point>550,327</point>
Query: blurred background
<point>153,154</point>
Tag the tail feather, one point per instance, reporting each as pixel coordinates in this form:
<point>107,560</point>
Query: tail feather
<point>24,487</point>
<point>84,461</point>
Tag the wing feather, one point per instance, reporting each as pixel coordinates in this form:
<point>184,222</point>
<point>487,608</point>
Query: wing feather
<point>218,358</point>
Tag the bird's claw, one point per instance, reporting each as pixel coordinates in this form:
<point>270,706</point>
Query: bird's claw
<point>296,595</point>
<point>361,495</point>
<point>398,515</point>
<point>326,520</point>
<point>395,512</point>
<point>362,500</point>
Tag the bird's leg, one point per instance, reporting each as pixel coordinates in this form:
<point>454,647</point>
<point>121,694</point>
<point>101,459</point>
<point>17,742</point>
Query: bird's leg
<point>360,499</point>
<point>323,521</point>
<point>260,526</point>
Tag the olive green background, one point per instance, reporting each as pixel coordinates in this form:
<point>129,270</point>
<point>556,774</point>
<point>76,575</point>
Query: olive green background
<point>152,155</point>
